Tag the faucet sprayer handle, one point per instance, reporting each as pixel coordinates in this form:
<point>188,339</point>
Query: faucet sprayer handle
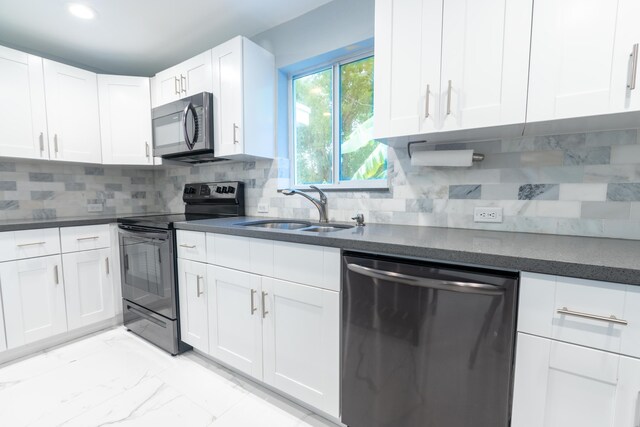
<point>323,197</point>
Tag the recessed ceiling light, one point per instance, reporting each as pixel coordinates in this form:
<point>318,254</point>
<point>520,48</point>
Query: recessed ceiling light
<point>81,11</point>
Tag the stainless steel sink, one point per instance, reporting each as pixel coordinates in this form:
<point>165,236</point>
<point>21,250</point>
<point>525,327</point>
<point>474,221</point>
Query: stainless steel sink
<point>289,224</point>
<point>326,228</point>
<point>285,224</point>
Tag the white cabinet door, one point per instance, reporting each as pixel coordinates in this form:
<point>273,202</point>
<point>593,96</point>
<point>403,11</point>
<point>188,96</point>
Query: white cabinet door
<point>195,74</point>
<point>572,53</point>
<point>485,56</point>
<point>72,113</point>
<point>235,319</point>
<point>559,384</point>
<point>244,91</point>
<point>623,97</point>
<point>628,398</point>
<point>33,299</point>
<point>3,338</point>
<point>125,120</point>
<point>302,342</point>
<point>406,86</point>
<point>227,86</point>
<point>166,86</point>
<point>23,120</point>
<point>88,283</point>
<point>193,293</point>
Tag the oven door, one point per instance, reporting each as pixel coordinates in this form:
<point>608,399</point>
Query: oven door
<point>148,270</point>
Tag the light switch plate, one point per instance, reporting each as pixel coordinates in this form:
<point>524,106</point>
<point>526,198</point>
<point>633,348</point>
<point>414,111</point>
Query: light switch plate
<point>486,214</point>
<point>95,207</point>
<point>263,207</point>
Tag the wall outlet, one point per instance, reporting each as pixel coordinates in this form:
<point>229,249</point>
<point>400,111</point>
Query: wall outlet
<point>95,207</point>
<point>263,207</point>
<point>487,214</point>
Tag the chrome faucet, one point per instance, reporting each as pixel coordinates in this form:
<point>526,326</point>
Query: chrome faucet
<point>320,204</point>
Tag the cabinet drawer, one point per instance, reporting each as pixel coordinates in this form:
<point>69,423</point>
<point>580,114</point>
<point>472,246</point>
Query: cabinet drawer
<point>85,238</point>
<point>240,253</point>
<point>31,243</point>
<point>307,264</point>
<point>586,312</point>
<point>191,245</point>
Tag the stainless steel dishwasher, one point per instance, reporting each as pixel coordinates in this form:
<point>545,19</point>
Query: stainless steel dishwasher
<point>426,344</point>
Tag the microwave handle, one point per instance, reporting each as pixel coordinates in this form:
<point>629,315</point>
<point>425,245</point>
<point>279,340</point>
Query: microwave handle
<point>190,142</point>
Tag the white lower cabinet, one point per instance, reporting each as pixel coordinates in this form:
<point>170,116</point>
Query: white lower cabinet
<point>3,338</point>
<point>301,342</point>
<point>88,283</point>
<point>235,319</point>
<point>193,294</point>
<point>33,299</point>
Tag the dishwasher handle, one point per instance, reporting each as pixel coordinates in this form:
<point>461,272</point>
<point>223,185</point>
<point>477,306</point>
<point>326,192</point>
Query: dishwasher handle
<point>443,285</point>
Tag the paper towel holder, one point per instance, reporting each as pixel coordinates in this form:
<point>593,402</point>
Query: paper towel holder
<point>477,157</point>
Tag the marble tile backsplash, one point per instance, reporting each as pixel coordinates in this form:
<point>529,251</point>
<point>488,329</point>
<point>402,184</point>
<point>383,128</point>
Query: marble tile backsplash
<point>580,184</point>
<point>45,190</point>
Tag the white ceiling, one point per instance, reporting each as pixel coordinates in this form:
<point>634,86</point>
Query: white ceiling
<point>138,37</point>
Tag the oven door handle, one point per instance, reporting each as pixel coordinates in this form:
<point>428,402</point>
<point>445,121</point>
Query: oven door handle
<point>425,282</point>
<point>142,233</point>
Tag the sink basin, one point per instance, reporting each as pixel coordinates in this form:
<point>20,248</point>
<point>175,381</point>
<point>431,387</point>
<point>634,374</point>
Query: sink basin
<point>326,228</point>
<point>284,224</point>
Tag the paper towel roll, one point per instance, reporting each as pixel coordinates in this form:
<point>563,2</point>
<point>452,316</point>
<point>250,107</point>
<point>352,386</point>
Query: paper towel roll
<point>461,158</point>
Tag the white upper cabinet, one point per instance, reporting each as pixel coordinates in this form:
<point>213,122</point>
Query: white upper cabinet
<point>23,120</point>
<point>625,84</point>
<point>406,87</point>
<point>185,79</point>
<point>244,88</point>
<point>457,68</point>
<point>72,113</point>
<point>573,57</point>
<point>485,63</point>
<point>125,120</point>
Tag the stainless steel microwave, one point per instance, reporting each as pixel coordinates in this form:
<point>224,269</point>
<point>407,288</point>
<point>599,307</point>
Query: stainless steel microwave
<point>183,129</point>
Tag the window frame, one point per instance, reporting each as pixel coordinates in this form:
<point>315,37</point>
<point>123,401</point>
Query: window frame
<point>337,184</point>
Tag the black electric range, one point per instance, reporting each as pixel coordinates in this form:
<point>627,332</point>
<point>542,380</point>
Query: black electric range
<point>148,261</point>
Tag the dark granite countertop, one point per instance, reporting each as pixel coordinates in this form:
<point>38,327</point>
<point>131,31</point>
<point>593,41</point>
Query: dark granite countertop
<point>30,224</point>
<point>613,260</point>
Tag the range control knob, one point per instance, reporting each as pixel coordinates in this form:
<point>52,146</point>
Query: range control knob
<point>189,190</point>
<point>219,190</point>
<point>232,190</point>
<point>225,189</point>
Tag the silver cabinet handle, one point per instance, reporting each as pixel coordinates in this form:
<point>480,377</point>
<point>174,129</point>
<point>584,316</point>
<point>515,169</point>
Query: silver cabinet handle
<point>198,290</point>
<point>449,99</point>
<point>610,319</point>
<point>79,239</point>
<point>41,140</point>
<point>106,264</point>
<point>183,79</point>
<point>253,305</point>
<point>235,136</point>
<point>146,149</point>
<point>188,246</point>
<point>631,83</point>
<point>264,305</point>
<point>55,275</point>
<point>176,82</point>
<point>444,285</point>
<point>55,143</point>
<point>21,245</point>
<point>426,103</point>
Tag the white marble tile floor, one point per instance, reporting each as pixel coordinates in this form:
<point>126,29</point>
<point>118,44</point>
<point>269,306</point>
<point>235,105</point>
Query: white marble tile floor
<point>116,378</point>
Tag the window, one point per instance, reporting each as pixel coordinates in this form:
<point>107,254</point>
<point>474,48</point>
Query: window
<point>333,126</point>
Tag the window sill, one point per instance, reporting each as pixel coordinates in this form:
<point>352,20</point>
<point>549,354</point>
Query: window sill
<point>382,186</point>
